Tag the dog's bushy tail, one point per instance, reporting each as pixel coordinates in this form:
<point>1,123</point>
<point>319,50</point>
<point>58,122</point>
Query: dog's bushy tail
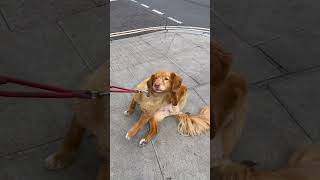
<point>194,124</point>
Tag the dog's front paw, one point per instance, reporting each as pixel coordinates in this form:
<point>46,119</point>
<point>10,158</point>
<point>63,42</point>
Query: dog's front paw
<point>56,161</point>
<point>126,113</point>
<point>142,143</point>
<point>128,137</point>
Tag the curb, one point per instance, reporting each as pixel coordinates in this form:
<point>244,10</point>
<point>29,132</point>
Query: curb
<point>198,30</point>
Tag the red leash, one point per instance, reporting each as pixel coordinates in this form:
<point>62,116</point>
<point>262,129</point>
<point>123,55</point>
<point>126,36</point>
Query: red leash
<point>56,92</point>
<point>124,90</point>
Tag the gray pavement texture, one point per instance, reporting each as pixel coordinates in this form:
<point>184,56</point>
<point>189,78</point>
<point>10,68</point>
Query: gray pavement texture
<point>274,43</point>
<point>170,155</point>
<point>54,42</point>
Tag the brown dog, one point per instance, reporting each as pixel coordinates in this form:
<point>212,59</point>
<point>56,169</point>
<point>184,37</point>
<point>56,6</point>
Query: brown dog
<point>89,115</point>
<point>304,164</point>
<point>167,96</point>
<point>229,105</point>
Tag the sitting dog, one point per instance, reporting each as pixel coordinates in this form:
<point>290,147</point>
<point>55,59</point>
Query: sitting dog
<point>229,105</point>
<point>167,96</point>
<point>89,115</point>
<point>304,164</point>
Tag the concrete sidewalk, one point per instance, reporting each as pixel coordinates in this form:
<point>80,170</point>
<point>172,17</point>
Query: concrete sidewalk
<point>275,43</point>
<point>170,155</point>
<point>57,42</point>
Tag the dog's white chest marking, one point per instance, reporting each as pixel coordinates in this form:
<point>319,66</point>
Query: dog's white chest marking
<point>166,111</point>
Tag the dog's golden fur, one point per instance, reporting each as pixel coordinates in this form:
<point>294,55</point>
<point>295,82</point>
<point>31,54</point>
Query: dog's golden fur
<point>167,96</point>
<point>229,104</point>
<point>304,164</point>
<point>89,115</point>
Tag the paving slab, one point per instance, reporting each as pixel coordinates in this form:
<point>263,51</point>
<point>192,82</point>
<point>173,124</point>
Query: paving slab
<point>270,134</point>
<point>29,164</point>
<point>127,15</point>
<point>183,157</point>
<point>295,51</point>
<point>32,122</point>
<point>170,155</point>
<point>259,21</point>
<point>194,62</point>
<point>247,60</point>
<point>49,56</point>
<point>203,43</point>
<point>134,49</point>
<point>127,159</point>
<point>88,32</point>
<point>300,95</point>
<point>169,43</point>
<point>204,92</point>
<point>26,14</point>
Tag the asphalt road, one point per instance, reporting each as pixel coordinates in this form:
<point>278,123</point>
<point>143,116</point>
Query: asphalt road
<point>133,14</point>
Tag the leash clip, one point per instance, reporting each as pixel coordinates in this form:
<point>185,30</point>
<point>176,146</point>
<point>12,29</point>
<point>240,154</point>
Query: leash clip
<point>96,94</point>
<point>143,92</point>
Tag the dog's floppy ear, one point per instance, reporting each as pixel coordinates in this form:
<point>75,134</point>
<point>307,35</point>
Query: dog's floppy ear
<point>176,90</point>
<point>149,84</point>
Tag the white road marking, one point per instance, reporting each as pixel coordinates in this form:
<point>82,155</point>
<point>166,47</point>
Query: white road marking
<point>134,1</point>
<point>112,0</point>
<point>143,5</point>
<point>158,12</point>
<point>174,20</point>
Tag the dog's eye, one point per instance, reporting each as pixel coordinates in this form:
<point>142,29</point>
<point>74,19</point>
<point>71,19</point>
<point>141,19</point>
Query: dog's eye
<point>166,79</point>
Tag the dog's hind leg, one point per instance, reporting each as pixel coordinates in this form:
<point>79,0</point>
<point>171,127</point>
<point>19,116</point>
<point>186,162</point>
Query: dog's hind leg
<point>68,149</point>
<point>144,118</point>
<point>131,108</point>
<point>154,129</point>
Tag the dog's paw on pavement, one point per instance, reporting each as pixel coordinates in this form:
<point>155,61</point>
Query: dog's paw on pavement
<point>127,137</point>
<point>142,143</point>
<point>126,113</point>
<point>55,162</point>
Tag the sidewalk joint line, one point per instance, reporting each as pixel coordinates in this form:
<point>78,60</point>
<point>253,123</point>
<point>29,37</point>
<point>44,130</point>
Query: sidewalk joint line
<point>194,89</point>
<point>158,160</point>
<point>275,95</point>
<point>231,29</point>
<point>5,20</point>
<point>272,60</point>
<point>75,48</point>
<point>31,147</point>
